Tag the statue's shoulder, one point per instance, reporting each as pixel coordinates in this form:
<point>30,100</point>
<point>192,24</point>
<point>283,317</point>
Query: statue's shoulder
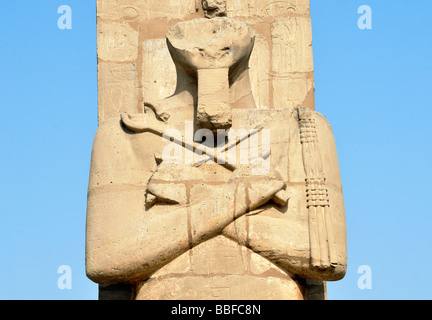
<point>322,122</point>
<point>110,126</point>
<point>122,156</point>
<point>124,138</point>
<point>314,125</point>
<point>129,127</point>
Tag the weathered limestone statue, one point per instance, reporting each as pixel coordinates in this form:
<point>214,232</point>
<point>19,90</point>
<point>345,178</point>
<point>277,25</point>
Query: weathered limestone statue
<point>227,187</point>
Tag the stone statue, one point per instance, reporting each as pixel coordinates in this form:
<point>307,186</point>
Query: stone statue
<point>205,194</point>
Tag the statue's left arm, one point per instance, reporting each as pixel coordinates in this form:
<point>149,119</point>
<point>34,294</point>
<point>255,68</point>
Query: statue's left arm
<point>308,239</point>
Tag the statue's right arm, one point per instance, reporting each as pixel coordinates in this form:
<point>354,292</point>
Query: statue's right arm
<point>124,242</point>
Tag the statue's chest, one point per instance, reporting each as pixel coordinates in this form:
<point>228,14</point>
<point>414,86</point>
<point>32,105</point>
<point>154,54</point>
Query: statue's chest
<point>193,163</point>
<point>185,184</point>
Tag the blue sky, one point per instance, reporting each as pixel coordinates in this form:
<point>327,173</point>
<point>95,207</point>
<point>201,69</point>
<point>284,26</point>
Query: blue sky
<point>373,86</point>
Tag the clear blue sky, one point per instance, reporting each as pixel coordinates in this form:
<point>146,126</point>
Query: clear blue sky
<point>373,85</point>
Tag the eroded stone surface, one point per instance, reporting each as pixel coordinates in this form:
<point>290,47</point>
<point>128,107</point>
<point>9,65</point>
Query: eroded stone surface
<point>158,70</point>
<point>143,10</point>
<point>172,214</point>
<point>266,8</point>
<point>214,8</point>
<point>117,41</point>
<point>118,89</point>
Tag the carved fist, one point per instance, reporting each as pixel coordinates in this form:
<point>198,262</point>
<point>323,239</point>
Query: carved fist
<point>260,188</point>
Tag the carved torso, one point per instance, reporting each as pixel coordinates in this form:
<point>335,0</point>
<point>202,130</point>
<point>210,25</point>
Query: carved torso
<point>268,246</point>
<point>247,216</point>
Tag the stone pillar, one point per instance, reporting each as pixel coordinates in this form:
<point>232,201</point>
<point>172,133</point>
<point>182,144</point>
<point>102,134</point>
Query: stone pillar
<point>265,255</point>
